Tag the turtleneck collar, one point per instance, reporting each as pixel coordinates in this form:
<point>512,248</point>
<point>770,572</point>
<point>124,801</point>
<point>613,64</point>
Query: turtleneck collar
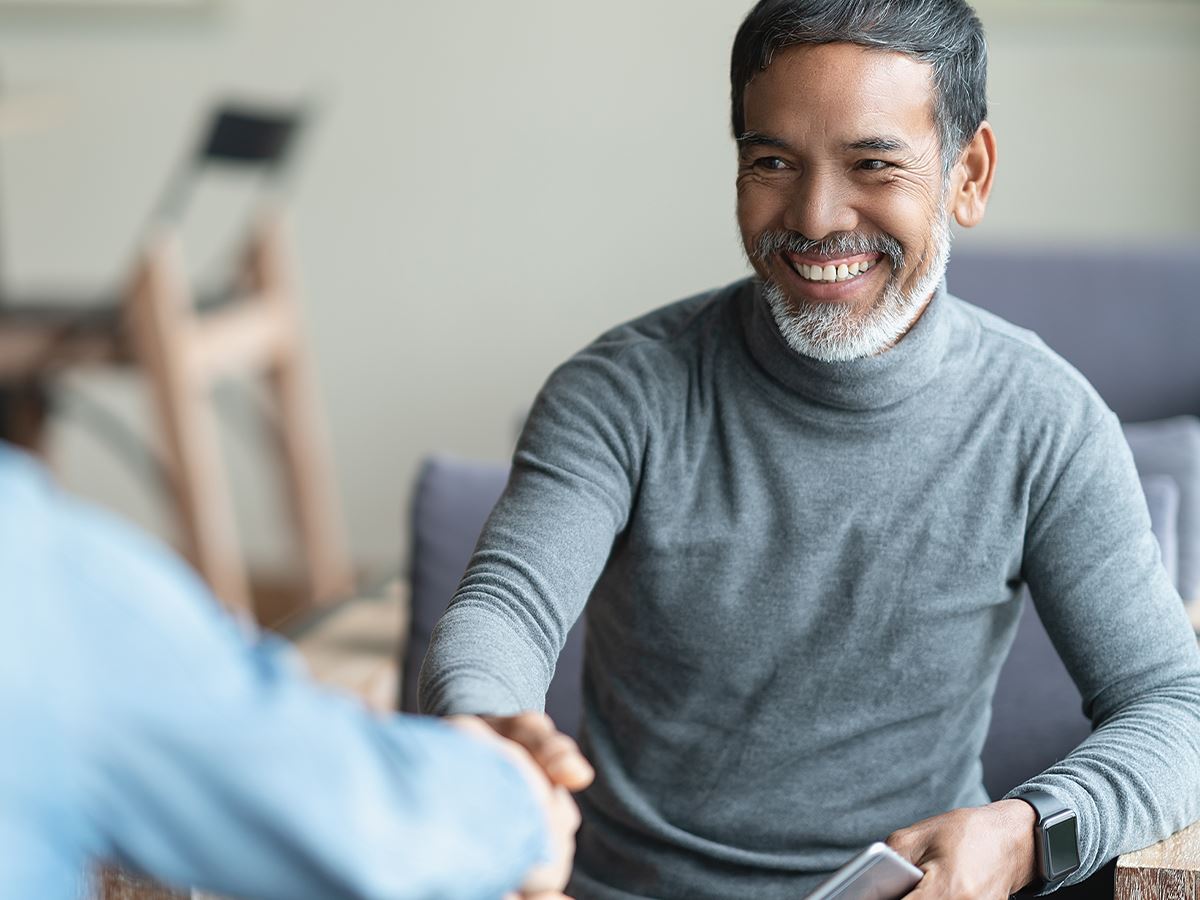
<point>858,384</point>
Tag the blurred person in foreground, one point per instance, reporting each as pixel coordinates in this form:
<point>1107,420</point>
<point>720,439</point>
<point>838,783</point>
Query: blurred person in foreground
<point>144,726</point>
<point>800,511</point>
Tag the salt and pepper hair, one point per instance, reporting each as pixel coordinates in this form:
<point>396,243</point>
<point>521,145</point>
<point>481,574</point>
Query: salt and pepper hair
<point>946,34</point>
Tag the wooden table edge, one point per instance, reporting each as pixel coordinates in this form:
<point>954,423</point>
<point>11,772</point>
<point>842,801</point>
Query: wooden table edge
<point>1170,868</point>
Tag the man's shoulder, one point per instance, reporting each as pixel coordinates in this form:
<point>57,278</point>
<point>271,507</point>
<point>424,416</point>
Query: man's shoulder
<point>1026,361</point>
<point>678,323</point>
<point>665,342</point>
<point>1001,335</point>
<point>655,354</point>
<point>1043,399</point>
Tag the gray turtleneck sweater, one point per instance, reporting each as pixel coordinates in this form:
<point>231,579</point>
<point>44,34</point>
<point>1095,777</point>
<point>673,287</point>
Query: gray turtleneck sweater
<point>800,581</point>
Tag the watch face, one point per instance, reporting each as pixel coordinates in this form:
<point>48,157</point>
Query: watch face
<point>1062,857</point>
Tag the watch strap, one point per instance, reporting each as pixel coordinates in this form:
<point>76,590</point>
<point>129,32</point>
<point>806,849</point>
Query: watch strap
<point>1043,804</point>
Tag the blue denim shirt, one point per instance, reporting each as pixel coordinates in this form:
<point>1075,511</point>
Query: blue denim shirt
<point>140,723</point>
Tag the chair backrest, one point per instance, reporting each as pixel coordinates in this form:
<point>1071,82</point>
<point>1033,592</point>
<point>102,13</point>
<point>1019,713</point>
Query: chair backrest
<point>259,139</point>
<point>242,135</point>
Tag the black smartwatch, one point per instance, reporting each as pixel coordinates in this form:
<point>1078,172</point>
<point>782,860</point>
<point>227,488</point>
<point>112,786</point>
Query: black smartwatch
<point>1056,837</point>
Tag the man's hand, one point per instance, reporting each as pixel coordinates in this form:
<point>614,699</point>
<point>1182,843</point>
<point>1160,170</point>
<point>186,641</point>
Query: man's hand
<point>557,754</point>
<point>982,853</point>
<point>546,881</point>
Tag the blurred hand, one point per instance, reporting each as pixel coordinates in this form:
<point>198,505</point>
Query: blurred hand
<point>557,754</point>
<point>982,853</point>
<point>546,881</point>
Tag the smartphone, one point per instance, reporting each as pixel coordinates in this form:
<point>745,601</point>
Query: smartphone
<point>878,873</point>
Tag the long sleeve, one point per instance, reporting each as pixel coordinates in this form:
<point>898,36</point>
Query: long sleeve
<point>543,547</point>
<point>185,748</point>
<point>1097,578</point>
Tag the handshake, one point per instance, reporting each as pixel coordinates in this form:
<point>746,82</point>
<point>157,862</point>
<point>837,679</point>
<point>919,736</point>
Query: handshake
<point>555,768</point>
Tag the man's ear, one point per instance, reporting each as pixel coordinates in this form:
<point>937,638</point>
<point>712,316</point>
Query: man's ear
<point>972,180</point>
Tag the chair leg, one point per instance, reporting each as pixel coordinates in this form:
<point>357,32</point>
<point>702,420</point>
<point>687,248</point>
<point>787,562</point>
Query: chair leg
<point>159,320</point>
<point>316,513</point>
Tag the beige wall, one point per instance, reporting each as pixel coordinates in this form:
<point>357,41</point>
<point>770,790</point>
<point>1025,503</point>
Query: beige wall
<point>494,183</point>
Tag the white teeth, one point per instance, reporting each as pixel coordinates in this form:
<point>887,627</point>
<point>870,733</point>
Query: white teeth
<point>842,272</point>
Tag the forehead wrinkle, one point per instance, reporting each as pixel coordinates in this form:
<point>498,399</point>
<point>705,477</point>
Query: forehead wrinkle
<point>888,93</point>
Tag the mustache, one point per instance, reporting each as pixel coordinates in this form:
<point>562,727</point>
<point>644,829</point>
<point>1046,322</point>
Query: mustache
<point>842,243</point>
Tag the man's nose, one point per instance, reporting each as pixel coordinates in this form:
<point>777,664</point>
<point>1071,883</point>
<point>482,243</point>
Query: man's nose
<point>820,206</point>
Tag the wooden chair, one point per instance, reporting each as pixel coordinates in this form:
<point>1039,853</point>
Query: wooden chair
<point>183,347</point>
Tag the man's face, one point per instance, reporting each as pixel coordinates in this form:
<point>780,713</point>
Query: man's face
<point>840,169</point>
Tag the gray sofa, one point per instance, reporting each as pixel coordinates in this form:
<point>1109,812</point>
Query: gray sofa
<point>1130,323</point>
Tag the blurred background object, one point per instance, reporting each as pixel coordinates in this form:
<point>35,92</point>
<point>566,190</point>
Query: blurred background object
<point>183,346</point>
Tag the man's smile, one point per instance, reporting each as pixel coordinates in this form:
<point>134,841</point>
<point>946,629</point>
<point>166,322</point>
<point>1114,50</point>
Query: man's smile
<point>820,278</point>
<point>817,267</point>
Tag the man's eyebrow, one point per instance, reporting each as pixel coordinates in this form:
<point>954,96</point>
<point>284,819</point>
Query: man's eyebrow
<point>878,144</point>
<point>757,139</point>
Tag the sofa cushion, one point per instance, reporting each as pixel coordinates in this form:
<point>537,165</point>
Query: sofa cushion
<point>1171,447</point>
<point>1162,499</point>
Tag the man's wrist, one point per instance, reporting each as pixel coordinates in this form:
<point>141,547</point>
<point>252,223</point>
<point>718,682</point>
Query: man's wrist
<point>1020,821</point>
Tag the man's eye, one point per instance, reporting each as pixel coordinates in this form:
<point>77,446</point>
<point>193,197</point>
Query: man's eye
<point>773,163</point>
<point>874,165</point>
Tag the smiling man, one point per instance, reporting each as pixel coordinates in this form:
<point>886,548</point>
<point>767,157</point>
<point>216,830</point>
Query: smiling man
<point>799,511</point>
<point>841,177</point>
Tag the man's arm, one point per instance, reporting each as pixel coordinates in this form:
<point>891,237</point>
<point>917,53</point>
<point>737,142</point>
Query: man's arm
<point>1096,575</point>
<point>544,546</point>
<point>207,759</point>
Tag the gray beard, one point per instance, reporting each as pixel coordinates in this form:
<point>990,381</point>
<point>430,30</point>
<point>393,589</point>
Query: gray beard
<point>833,332</point>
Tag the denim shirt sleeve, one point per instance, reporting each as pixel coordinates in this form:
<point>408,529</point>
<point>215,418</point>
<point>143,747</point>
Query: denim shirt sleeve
<point>203,756</point>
